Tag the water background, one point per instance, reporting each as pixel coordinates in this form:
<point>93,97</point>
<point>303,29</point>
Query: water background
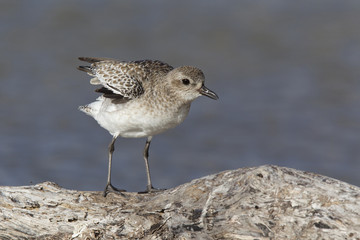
<point>287,74</point>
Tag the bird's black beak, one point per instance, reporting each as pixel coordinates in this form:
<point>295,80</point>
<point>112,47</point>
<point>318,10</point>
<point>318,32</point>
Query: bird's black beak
<point>207,92</point>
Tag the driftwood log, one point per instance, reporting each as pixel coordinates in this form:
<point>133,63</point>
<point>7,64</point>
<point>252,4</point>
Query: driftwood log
<point>267,202</point>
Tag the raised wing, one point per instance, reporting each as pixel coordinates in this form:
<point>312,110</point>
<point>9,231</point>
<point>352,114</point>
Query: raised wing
<point>122,79</point>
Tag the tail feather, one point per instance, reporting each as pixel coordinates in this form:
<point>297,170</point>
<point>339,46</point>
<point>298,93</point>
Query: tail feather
<point>94,59</point>
<point>85,69</point>
<point>86,109</point>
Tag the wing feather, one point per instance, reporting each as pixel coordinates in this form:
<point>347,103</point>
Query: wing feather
<point>122,78</point>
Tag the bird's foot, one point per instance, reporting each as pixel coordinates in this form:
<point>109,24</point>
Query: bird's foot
<point>151,189</point>
<point>110,188</point>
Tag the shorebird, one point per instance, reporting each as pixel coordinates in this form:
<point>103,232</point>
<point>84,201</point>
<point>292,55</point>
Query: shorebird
<point>141,99</point>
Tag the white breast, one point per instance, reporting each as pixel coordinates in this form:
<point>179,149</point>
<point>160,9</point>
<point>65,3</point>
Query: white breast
<point>135,119</point>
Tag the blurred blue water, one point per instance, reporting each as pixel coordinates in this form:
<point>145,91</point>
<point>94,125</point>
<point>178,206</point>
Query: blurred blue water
<point>287,74</point>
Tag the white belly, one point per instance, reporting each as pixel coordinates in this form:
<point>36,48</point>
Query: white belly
<point>133,120</point>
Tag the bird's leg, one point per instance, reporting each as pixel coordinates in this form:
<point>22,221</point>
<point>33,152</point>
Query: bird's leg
<point>109,187</point>
<point>149,187</point>
<point>146,158</point>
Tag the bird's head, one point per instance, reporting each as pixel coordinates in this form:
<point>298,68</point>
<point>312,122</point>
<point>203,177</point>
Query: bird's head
<point>188,83</point>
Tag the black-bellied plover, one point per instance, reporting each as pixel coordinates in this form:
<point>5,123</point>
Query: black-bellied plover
<point>141,99</point>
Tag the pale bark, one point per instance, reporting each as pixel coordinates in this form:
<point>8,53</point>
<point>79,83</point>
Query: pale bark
<point>265,202</point>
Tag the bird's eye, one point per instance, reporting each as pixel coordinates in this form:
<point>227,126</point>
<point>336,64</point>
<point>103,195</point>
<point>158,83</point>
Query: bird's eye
<point>186,81</point>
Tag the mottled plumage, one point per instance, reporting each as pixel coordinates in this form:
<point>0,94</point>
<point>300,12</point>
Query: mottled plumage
<point>124,78</point>
<point>141,99</point>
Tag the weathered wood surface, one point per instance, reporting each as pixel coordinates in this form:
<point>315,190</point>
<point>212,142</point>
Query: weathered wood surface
<point>266,202</point>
